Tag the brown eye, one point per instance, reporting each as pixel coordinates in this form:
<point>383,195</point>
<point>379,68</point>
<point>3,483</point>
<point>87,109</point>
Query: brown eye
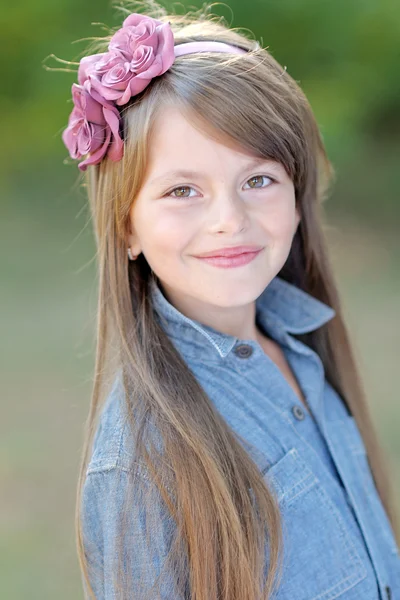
<point>180,188</point>
<point>258,179</point>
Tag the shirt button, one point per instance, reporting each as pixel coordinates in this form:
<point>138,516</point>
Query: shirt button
<point>388,592</point>
<point>298,412</point>
<point>243,351</point>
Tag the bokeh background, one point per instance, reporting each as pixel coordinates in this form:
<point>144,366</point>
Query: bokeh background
<point>345,54</point>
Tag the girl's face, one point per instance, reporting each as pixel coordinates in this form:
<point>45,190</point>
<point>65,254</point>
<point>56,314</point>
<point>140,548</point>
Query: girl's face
<point>199,196</point>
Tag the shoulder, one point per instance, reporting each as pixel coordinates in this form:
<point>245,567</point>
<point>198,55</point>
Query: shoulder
<point>113,444</point>
<point>108,450</point>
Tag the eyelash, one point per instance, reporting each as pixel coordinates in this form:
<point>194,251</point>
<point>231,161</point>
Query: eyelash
<point>190,187</point>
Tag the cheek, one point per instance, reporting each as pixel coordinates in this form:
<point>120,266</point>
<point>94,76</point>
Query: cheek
<point>164,231</point>
<point>279,219</point>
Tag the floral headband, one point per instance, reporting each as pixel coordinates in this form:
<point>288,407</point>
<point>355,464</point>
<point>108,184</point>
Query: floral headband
<point>142,49</point>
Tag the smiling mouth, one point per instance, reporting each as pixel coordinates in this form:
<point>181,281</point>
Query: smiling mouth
<point>230,251</point>
<point>227,262</point>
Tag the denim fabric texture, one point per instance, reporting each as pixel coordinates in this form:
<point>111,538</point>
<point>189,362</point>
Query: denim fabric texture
<point>338,542</point>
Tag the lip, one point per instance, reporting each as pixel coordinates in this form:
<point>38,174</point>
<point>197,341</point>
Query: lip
<point>229,251</point>
<point>228,262</point>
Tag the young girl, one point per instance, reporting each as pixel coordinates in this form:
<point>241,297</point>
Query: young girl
<point>230,452</point>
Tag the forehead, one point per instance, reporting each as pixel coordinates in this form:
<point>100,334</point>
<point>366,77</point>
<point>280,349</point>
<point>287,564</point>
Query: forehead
<point>179,142</point>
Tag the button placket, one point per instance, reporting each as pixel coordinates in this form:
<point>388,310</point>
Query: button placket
<point>245,350</point>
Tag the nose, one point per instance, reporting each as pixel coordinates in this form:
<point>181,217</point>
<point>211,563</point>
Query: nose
<point>228,213</point>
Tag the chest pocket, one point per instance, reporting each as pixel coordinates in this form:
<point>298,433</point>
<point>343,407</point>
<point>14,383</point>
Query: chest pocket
<point>320,560</point>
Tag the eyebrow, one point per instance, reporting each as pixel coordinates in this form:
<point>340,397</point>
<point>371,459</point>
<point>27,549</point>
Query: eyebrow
<point>187,173</point>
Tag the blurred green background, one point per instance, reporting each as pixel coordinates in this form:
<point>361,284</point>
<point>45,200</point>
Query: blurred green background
<point>345,55</point>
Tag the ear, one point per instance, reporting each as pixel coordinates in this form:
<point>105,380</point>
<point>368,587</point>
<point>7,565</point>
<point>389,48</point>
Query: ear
<point>131,237</point>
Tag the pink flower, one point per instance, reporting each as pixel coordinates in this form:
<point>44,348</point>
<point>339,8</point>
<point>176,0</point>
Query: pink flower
<point>142,49</point>
<point>139,30</point>
<point>93,127</point>
<point>95,62</point>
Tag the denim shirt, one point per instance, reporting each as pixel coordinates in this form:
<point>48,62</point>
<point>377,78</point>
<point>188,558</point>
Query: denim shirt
<point>338,541</point>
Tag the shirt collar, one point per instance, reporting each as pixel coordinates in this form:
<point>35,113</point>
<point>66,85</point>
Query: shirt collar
<point>281,303</point>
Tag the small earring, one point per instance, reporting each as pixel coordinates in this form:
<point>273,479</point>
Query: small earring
<point>130,255</point>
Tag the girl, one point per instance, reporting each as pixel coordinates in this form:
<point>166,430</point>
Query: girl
<point>230,452</point>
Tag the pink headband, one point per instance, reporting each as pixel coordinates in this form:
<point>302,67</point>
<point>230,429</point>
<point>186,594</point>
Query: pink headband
<point>142,49</point>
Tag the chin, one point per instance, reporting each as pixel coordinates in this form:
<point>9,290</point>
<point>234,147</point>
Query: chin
<point>230,296</point>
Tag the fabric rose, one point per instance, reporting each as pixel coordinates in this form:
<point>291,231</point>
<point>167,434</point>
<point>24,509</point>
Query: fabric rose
<point>95,62</point>
<point>93,127</point>
<point>142,49</point>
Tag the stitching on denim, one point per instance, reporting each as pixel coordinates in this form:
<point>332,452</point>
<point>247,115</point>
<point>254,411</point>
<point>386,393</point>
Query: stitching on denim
<point>115,466</point>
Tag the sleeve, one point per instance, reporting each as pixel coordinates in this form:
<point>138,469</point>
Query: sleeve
<point>139,538</point>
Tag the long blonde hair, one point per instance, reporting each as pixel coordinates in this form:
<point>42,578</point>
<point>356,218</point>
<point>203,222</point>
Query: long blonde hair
<point>221,526</point>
